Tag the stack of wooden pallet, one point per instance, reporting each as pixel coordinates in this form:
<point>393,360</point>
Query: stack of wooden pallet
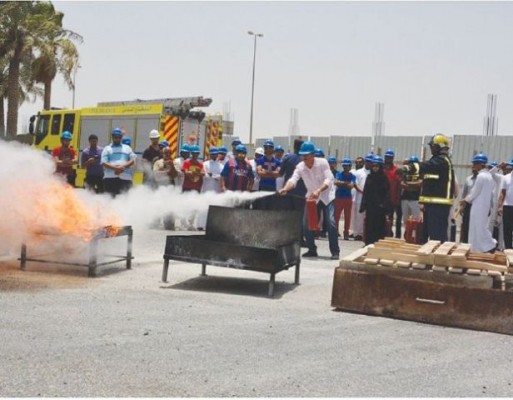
<point>448,257</point>
<point>437,283</point>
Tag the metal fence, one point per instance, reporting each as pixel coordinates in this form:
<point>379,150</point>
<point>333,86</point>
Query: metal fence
<point>463,147</point>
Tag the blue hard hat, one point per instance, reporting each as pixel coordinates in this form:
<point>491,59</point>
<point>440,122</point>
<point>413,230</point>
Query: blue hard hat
<point>319,152</point>
<point>369,157</point>
<point>494,164</point>
<point>222,150</point>
<point>279,148</point>
<point>214,150</point>
<point>66,135</point>
<point>185,148</point>
<point>126,140</point>
<point>164,143</point>
<point>117,132</point>
<point>413,159</point>
<point>194,149</point>
<point>389,153</point>
<point>306,148</point>
<point>510,163</point>
<point>332,159</point>
<point>269,143</point>
<point>241,149</point>
<point>236,142</point>
<point>480,158</point>
<point>378,160</point>
<point>346,162</point>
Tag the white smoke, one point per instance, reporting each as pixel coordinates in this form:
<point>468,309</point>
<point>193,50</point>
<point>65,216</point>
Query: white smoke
<point>33,198</point>
<point>141,206</point>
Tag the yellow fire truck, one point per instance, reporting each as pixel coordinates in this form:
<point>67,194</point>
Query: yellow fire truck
<point>174,118</point>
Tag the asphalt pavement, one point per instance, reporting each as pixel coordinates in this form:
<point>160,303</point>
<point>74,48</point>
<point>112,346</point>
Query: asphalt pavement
<point>126,333</point>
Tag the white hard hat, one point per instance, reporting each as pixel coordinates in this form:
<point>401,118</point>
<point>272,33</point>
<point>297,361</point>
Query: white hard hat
<point>259,150</point>
<point>154,134</point>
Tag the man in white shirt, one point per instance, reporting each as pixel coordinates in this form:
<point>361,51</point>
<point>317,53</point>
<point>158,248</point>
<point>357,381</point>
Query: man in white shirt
<point>494,219</point>
<point>259,152</point>
<point>213,168</point>
<point>480,237</point>
<point>358,164</point>
<point>211,182</point>
<point>465,209</point>
<point>361,176</point>
<point>318,180</point>
<point>506,205</point>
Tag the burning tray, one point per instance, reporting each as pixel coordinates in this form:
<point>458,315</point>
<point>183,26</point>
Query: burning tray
<point>105,232</point>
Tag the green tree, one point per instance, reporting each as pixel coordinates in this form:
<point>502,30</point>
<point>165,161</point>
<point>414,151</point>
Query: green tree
<point>57,54</point>
<point>28,31</point>
<point>28,90</point>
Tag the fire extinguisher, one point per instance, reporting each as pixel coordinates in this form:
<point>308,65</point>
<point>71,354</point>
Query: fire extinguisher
<point>311,215</point>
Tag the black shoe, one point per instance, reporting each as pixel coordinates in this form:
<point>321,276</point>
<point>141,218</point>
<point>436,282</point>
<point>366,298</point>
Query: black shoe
<point>335,257</point>
<point>346,236</point>
<point>358,237</point>
<point>310,253</point>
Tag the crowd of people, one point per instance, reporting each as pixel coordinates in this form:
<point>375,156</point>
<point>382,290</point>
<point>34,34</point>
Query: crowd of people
<point>373,195</point>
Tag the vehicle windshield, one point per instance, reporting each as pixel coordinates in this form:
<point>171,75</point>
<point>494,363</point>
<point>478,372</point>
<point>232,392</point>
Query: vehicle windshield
<point>43,122</point>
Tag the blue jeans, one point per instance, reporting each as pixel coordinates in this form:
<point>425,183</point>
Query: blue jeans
<point>328,215</point>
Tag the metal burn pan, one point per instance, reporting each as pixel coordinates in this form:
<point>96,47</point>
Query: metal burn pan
<point>253,240</point>
<point>102,233</point>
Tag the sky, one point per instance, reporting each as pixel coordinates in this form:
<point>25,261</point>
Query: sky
<point>432,64</point>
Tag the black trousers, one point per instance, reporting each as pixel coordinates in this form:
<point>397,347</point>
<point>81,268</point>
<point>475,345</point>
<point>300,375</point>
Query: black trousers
<point>375,225</point>
<point>116,186</point>
<point>94,183</point>
<point>465,223</point>
<point>507,224</point>
<point>436,218</point>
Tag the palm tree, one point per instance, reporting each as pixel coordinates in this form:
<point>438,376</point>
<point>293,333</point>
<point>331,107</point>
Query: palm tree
<point>57,54</point>
<point>3,92</point>
<point>26,31</point>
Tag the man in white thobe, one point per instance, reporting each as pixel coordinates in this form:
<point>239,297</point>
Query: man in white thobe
<point>211,182</point>
<point>361,176</point>
<point>495,220</point>
<point>481,198</point>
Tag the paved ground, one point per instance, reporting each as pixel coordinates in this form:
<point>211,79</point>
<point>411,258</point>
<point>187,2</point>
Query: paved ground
<point>126,333</point>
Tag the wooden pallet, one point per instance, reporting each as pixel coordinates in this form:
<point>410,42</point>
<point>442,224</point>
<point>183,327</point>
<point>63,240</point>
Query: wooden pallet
<point>465,290</point>
<point>448,257</point>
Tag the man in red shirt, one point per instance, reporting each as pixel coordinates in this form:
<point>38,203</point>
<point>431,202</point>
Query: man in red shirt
<point>193,171</point>
<point>394,179</point>
<point>65,157</point>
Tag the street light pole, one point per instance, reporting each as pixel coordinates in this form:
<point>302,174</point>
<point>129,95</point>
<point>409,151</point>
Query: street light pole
<point>255,35</point>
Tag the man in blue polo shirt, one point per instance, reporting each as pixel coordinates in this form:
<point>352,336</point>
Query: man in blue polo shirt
<point>268,168</point>
<point>91,161</point>
<point>117,160</point>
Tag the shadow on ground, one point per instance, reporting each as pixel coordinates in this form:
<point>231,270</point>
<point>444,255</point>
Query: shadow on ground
<point>39,276</point>
<point>235,286</point>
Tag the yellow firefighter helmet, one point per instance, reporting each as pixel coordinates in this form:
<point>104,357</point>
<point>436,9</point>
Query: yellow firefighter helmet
<point>440,140</point>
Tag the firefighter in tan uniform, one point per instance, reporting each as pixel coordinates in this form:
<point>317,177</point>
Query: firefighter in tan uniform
<point>438,188</point>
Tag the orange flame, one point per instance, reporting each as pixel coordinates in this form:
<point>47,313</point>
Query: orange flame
<point>58,210</point>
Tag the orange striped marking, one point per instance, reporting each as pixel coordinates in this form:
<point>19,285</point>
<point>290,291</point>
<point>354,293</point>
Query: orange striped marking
<point>171,134</point>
